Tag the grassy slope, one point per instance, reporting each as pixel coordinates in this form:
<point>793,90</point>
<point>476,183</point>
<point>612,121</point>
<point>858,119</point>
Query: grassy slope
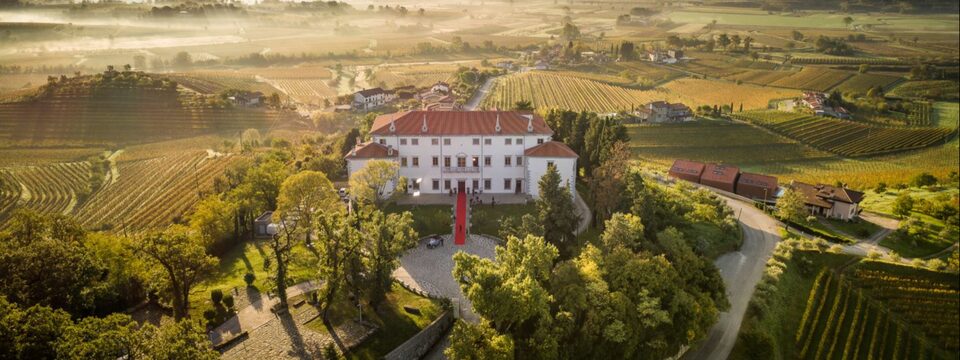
<point>883,203</point>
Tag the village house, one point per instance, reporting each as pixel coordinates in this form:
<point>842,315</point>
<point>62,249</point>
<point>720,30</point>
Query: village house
<point>440,87</point>
<point>662,112</point>
<point>665,57</point>
<point>490,152</point>
<point>367,99</point>
<point>817,102</point>
<point>830,201</point>
<point>247,98</point>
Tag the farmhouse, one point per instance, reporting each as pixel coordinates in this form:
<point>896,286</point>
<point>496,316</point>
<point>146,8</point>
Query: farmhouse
<point>830,201</point>
<point>247,98</point>
<point>818,103</point>
<point>665,57</point>
<point>662,112</point>
<point>499,152</point>
<point>440,87</point>
<point>372,98</point>
<point>687,170</point>
<point>720,176</point>
<point>757,186</point>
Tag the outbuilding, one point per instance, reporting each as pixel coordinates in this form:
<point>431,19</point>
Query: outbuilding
<point>720,176</point>
<point>687,170</point>
<point>757,186</point>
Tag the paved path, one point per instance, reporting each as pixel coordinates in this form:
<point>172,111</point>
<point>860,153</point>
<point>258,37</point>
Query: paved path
<point>481,94</point>
<point>741,270</point>
<point>256,314</point>
<point>431,270</point>
<point>584,212</point>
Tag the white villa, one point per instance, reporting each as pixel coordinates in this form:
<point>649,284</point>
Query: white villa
<point>490,152</point>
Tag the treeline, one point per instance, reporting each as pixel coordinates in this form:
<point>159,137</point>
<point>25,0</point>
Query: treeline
<point>587,134</point>
<point>195,10</point>
<point>833,46</point>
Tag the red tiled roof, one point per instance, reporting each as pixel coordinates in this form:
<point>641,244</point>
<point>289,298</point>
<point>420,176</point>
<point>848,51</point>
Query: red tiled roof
<point>766,181</point>
<point>553,149</point>
<point>810,195</point>
<point>687,167</point>
<point>821,194</point>
<point>720,173</point>
<point>371,150</point>
<point>459,123</point>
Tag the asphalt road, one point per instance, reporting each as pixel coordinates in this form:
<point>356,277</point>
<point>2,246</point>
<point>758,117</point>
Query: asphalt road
<point>481,93</point>
<point>741,271</point>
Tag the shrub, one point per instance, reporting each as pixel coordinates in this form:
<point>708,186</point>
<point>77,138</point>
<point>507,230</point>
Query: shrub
<point>894,256</point>
<point>228,301</point>
<point>881,188</point>
<point>209,314</point>
<point>874,255</point>
<point>216,295</point>
<point>936,264</point>
<point>811,219</point>
<point>249,278</point>
<point>759,343</point>
<point>330,352</point>
<point>923,179</point>
<point>835,249</point>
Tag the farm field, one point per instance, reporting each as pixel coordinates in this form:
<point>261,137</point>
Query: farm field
<point>696,92</point>
<point>213,82</point>
<point>46,189</point>
<point>810,20</point>
<point>816,79</point>
<point>305,91</point>
<point>152,192</point>
<point>875,314</point>
<point>717,141</point>
<point>943,89</point>
<point>860,83</point>
<point>40,156</point>
<point>845,138</point>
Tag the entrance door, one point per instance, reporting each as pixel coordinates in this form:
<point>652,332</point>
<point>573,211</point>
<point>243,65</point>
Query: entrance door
<point>461,186</point>
<point>519,187</point>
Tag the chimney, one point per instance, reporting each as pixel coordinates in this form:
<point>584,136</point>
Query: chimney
<point>393,125</point>
<point>498,128</point>
<point>424,127</point>
<point>529,123</point>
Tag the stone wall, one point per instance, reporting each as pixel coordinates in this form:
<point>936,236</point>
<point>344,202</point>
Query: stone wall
<point>422,342</point>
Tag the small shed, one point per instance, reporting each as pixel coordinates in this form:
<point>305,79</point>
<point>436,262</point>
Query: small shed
<point>262,225</point>
<point>757,186</point>
<point>720,176</point>
<point>687,170</point>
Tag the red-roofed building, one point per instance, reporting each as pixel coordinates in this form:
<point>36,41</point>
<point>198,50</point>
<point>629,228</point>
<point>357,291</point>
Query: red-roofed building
<point>687,170</point>
<point>482,151</point>
<point>757,186</point>
<point>720,176</point>
<point>830,201</point>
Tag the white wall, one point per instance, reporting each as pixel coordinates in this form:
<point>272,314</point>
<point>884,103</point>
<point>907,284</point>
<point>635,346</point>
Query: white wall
<point>537,167</point>
<point>497,150</point>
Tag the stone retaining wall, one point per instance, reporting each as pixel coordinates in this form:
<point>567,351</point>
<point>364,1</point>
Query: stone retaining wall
<point>422,342</point>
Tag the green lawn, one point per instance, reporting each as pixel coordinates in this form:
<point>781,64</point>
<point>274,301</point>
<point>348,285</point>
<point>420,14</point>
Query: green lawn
<point>883,203</point>
<point>435,219</point>
<point>249,257</point>
<point>861,229</point>
<point>923,247</point>
<point>396,324</point>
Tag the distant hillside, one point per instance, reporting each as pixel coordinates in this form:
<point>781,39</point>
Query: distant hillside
<point>120,107</point>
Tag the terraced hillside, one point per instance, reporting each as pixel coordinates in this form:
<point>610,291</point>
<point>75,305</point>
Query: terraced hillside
<point>845,138</point>
<point>151,192</point>
<point>48,189</point>
<point>879,313</point>
<point>84,111</point>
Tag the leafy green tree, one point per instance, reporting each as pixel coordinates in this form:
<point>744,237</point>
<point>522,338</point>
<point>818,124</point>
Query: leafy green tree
<point>177,263</point>
<point>557,212</point>
<point>213,219</point>
<point>790,206</point>
<point>607,183</point>
<point>923,179</point>
<point>111,337</point>
<point>372,183</point>
<point>520,228</point>
<point>263,182</point>
<point>183,339</point>
<point>338,245</point>
<point>903,205</point>
<point>523,105</point>
<point>44,261</point>
<point>478,342</point>
<point>30,333</point>
<point>385,238</point>
<point>623,230</point>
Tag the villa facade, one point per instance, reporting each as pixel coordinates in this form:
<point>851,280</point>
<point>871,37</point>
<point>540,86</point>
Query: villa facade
<point>489,152</point>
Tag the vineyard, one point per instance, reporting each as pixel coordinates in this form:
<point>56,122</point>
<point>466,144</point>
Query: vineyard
<point>416,75</point>
<point>838,60</point>
<point>552,90</point>
<point>884,316</point>
<point>845,138</point>
<point>131,116</point>
<point>306,91</point>
<point>717,141</point>
<point>860,83</point>
<point>152,192</point>
<point>816,79</point>
<point>696,92</point>
<point>47,189</point>
<point>936,89</point>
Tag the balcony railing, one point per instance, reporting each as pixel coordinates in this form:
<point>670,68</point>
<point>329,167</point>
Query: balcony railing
<point>461,169</point>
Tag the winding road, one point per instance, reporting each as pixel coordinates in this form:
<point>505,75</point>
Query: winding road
<point>481,94</point>
<point>741,271</point>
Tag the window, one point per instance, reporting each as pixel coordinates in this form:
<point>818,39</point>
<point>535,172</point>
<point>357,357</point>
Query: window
<point>436,184</point>
<point>476,141</point>
<point>550,163</point>
<point>446,141</point>
<point>383,141</point>
<point>519,161</point>
<point>416,185</point>
<point>446,161</point>
<point>486,184</point>
<point>488,141</point>
<point>506,184</point>
<point>414,141</point>
<point>434,141</point>
<point>403,162</point>
<point>476,184</point>
<point>539,141</point>
<point>416,161</point>
<point>474,161</point>
<point>403,141</point>
<point>519,141</point>
<point>506,160</point>
<point>461,162</point>
<point>508,141</point>
<point>446,184</point>
<point>487,160</point>
<point>436,161</point>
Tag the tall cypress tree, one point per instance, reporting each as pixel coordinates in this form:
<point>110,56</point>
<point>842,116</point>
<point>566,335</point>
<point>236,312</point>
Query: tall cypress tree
<point>557,213</point>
